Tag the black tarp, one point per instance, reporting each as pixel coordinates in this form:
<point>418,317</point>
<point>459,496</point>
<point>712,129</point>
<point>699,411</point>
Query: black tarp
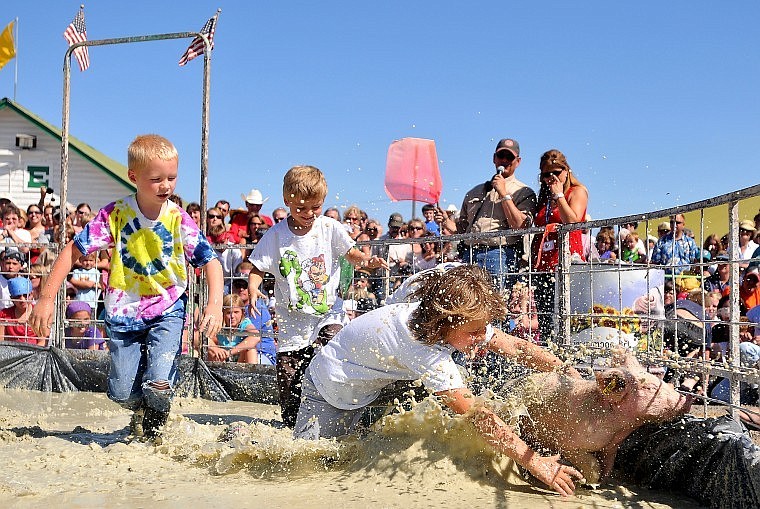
<point>32,367</point>
<point>712,460</point>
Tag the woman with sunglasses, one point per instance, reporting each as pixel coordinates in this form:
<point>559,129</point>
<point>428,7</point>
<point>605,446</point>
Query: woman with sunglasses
<point>229,254</point>
<point>561,200</point>
<point>36,229</point>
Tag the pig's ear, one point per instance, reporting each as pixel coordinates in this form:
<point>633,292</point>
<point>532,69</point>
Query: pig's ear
<point>624,358</point>
<point>613,384</point>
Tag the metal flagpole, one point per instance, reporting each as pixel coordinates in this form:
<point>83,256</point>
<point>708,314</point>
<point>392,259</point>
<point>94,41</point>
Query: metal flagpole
<point>57,337</point>
<point>15,74</point>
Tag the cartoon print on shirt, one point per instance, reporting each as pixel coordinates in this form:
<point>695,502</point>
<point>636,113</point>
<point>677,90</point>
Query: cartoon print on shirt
<point>307,295</point>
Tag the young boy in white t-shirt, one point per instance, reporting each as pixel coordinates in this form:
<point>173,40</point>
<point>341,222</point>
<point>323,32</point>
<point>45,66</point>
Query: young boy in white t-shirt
<point>303,253</point>
<point>414,341</point>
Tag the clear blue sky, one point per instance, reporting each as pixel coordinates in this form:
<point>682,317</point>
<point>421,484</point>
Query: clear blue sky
<point>654,103</point>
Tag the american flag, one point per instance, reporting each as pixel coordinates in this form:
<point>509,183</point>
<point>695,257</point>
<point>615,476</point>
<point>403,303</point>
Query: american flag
<point>77,32</point>
<point>197,47</point>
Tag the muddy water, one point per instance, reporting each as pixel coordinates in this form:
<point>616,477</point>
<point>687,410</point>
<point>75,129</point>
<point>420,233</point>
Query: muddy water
<point>71,450</point>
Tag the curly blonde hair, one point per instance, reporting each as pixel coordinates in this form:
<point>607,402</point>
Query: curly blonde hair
<point>460,295</point>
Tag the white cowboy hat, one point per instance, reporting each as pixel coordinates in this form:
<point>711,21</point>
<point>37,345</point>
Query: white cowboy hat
<point>254,197</point>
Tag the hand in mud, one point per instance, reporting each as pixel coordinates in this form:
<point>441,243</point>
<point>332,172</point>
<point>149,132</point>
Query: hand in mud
<point>557,476</point>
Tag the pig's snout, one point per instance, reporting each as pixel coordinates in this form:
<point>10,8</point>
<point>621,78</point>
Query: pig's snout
<point>665,401</point>
<point>653,400</point>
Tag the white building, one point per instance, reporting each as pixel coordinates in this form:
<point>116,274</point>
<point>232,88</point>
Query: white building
<point>30,157</point>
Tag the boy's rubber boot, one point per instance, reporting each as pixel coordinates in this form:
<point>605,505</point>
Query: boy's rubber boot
<point>152,421</point>
<point>136,423</point>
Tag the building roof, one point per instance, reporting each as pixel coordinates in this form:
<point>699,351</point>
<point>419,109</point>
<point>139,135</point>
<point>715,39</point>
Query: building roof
<point>112,168</point>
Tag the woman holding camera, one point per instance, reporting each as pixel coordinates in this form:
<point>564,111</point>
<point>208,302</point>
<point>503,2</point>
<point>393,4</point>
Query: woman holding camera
<point>561,200</point>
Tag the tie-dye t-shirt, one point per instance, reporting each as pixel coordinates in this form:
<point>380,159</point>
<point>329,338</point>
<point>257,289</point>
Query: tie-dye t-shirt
<point>148,272</point>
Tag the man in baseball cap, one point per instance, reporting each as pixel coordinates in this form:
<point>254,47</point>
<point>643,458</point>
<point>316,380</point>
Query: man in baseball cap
<point>500,203</point>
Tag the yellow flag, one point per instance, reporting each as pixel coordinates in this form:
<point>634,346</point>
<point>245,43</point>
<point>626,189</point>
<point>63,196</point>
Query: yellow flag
<point>7,49</point>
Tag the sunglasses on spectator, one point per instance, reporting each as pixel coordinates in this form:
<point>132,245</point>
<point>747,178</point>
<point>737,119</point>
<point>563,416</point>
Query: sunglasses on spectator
<point>214,216</point>
<point>554,173</point>
<point>34,213</point>
<point>505,155</point>
<point>673,221</point>
<point>352,219</point>
<point>81,211</point>
<point>744,232</point>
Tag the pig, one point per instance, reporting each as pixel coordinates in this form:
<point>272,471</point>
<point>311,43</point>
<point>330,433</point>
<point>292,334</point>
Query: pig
<point>585,421</point>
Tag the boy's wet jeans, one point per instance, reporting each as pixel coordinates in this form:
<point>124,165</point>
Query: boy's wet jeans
<point>144,364</point>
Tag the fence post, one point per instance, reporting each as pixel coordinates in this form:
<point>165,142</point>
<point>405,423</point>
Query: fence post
<point>733,281</point>
<point>562,289</point>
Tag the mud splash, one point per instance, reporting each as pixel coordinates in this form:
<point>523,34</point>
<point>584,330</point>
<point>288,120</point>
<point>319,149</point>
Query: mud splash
<point>71,450</point>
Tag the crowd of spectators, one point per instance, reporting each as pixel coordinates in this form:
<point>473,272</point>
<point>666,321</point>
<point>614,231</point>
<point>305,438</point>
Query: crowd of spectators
<point>410,245</point>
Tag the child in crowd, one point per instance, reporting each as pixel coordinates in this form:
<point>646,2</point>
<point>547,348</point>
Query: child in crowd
<point>632,249</point>
<point>37,274</point>
<point>20,289</point>
<point>86,279</point>
<point>153,241</point>
<point>605,246</point>
<point>239,340</point>
<point>259,316</point>
<point>410,341</point>
<point>80,333</point>
<point>303,255</point>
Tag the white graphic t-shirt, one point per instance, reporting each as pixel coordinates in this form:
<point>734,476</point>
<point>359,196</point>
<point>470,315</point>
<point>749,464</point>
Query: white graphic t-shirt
<point>306,269</point>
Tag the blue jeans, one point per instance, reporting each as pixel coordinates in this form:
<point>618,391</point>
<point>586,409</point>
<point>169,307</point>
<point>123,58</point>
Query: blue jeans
<point>319,419</point>
<point>144,363</point>
<point>500,262</point>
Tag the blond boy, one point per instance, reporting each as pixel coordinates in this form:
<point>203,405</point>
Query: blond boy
<point>303,253</point>
<point>145,297</point>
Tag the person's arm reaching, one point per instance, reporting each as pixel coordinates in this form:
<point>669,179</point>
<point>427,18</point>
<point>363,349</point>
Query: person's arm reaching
<point>528,354</point>
<point>496,432</point>
<point>42,314</point>
<point>211,321</point>
<point>355,256</point>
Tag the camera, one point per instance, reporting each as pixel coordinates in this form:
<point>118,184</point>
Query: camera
<point>48,190</point>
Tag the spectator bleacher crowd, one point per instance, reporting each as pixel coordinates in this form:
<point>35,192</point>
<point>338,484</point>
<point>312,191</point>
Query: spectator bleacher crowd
<point>697,271</point>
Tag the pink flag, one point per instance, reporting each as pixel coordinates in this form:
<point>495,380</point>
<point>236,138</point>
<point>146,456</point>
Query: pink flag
<point>411,171</point>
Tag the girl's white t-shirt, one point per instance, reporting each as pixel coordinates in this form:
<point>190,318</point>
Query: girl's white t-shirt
<point>377,349</point>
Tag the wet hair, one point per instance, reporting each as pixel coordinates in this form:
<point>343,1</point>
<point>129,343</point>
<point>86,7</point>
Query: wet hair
<point>148,147</point>
<point>305,183</point>
<point>459,295</point>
